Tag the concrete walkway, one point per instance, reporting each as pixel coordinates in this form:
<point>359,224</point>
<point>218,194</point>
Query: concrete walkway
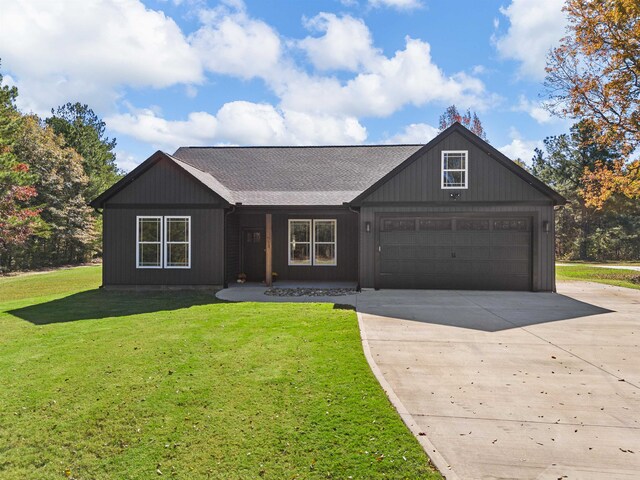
<point>504,384</point>
<point>515,385</point>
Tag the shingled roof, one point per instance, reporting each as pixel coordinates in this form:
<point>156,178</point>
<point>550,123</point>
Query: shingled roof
<point>294,175</point>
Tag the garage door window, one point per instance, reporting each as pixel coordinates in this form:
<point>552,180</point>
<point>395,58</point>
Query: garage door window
<point>454,168</point>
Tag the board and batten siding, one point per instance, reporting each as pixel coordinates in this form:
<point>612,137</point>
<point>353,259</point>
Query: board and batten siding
<point>492,189</point>
<point>164,190</point>
<point>489,181</point>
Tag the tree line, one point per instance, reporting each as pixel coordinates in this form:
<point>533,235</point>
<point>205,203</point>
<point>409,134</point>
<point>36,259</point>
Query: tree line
<point>49,171</point>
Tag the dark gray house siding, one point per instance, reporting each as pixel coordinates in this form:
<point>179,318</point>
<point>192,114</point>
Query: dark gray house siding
<point>163,190</point>
<point>396,226</point>
<point>347,242</point>
<point>494,191</point>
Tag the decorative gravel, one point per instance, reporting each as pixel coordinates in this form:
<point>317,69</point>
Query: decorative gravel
<point>310,292</point>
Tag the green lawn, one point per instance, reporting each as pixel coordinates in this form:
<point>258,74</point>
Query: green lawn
<point>97,384</point>
<point>610,276</point>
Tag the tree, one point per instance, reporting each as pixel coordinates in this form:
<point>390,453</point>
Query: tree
<point>585,230</point>
<point>18,220</point>
<point>595,72</point>
<point>472,122</point>
<point>60,181</point>
<point>84,131</point>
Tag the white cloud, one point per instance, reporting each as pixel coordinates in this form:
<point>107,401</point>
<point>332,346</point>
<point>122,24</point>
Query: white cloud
<point>87,51</point>
<point>535,109</point>
<point>535,27</point>
<point>398,4</point>
<point>146,125</point>
<point>126,161</point>
<point>415,133</point>
<point>240,123</point>
<point>385,86</point>
<point>232,43</point>
<point>520,148</point>
<point>346,42</point>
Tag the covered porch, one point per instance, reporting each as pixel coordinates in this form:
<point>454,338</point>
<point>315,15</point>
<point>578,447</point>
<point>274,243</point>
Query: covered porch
<point>291,247</point>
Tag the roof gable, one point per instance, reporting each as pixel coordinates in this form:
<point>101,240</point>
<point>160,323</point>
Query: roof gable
<point>525,186</point>
<point>147,184</point>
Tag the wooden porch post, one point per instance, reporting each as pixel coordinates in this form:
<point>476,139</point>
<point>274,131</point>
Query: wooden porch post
<point>268,262</point>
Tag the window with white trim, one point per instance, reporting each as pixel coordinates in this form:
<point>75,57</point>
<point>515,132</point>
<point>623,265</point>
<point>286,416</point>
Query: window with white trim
<point>163,242</point>
<point>299,242</point>
<point>324,242</point>
<point>149,242</point>
<point>312,242</point>
<point>178,242</point>
<point>455,169</point>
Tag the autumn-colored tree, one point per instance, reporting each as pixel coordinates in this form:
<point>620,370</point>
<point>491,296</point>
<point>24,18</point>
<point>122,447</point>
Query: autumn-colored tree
<point>595,72</point>
<point>60,180</point>
<point>604,181</point>
<point>451,115</point>
<point>571,164</point>
<point>18,219</point>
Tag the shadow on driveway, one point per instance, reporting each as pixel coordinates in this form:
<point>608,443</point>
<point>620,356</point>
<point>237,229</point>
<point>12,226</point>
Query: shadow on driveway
<point>98,303</point>
<point>484,311</point>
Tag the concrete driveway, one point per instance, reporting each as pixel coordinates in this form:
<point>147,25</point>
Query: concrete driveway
<point>514,385</point>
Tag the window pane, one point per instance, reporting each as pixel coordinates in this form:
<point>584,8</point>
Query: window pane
<point>325,231</point>
<point>300,254</point>
<point>300,231</point>
<point>177,230</point>
<point>454,160</point>
<point>149,229</point>
<point>177,255</point>
<point>325,254</point>
<point>149,254</point>
<point>454,179</point>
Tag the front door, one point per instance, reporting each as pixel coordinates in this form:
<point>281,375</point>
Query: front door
<point>253,254</point>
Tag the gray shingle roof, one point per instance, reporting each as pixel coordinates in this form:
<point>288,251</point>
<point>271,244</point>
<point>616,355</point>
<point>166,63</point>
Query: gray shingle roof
<point>292,175</point>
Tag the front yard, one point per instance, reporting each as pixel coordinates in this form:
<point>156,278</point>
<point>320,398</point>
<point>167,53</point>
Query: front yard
<point>609,276</point>
<point>99,384</point>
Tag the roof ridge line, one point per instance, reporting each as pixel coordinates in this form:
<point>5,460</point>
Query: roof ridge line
<point>302,146</point>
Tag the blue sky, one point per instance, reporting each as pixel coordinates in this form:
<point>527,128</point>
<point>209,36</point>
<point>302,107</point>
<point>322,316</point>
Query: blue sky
<point>166,73</point>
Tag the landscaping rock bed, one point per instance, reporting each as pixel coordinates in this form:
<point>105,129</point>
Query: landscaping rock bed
<point>310,292</point>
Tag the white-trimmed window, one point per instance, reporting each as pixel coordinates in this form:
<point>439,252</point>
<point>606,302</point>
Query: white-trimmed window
<point>149,242</point>
<point>312,242</point>
<point>178,242</point>
<point>300,242</point>
<point>455,169</point>
<point>324,242</point>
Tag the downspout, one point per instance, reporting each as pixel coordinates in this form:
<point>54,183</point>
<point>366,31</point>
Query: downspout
<point>99,212</point>
<point>358,289</point>
<point>225,283</point>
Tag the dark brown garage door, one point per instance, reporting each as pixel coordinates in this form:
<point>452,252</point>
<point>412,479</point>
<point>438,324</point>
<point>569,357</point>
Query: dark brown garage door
<point>466,253</point>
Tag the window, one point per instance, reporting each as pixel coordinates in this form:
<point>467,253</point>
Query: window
<point>324,242</point>
<point>312,242</point>
<point>299,242</point>
<point>172,233</point>
<point>454,169</point>
<point>149,242</point>
<point>178,242</point>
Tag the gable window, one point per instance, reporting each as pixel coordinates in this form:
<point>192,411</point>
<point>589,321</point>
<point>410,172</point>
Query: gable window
<point>178,242</point>
<point>312,242</point>
<point>149,242</point>
<point>299,242</point>
<point>163,242</point>
<point>455,169</point>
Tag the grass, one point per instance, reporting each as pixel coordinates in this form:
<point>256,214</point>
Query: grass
<point>114,385</point>
<point>610,276</point>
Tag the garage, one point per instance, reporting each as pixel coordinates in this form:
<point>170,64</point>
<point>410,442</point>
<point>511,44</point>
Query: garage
<point>455,252</point>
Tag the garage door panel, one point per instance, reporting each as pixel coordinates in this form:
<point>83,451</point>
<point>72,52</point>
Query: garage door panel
<point>482,253</point>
